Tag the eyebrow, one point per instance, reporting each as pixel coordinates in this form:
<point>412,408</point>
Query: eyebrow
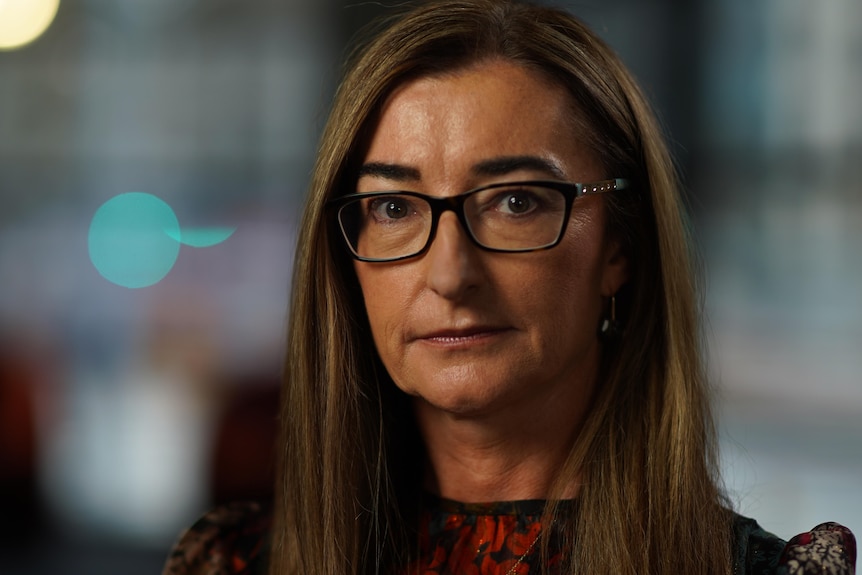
<point>492,167</point>
<point>394,172</point>
<point>508,164</point>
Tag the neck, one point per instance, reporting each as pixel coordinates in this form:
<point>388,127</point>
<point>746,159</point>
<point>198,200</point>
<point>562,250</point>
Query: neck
<point>512,453</point>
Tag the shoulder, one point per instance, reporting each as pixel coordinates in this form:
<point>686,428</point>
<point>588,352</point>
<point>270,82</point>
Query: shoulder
<point>231,539</point>
<point>828,548</point>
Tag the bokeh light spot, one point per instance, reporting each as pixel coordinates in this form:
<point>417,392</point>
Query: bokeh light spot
<point>204,237</point>
<point>22,21</point>
<point>133,239</point>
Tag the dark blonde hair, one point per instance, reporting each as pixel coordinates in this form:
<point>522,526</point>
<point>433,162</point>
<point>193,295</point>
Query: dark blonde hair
<point>347,488</point>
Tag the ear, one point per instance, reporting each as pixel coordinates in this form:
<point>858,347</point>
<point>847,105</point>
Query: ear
<point>615,272</point>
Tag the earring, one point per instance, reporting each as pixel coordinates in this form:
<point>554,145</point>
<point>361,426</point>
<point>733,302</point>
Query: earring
<point>610,331</point>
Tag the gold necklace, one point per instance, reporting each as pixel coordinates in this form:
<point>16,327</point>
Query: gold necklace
<point>520,560</point>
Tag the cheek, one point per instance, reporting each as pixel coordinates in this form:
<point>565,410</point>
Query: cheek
<point>572,297</point>
<point>565,289</point>
<point>386,305</point>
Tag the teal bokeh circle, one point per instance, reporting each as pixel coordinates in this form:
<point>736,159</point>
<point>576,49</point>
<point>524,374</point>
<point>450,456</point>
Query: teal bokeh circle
<point>134,239</point>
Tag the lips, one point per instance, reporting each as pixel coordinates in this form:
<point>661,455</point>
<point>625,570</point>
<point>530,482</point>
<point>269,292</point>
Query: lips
<point>461,335</point>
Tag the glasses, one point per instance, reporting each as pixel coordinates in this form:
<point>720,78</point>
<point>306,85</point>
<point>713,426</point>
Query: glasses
<point>506,217</point>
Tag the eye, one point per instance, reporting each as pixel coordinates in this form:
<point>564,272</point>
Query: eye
<point>387,208</point>
<point>518,202</point>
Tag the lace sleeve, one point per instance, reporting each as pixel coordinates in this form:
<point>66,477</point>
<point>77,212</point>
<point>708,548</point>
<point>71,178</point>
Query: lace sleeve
<point>829,549</point>
<point>229,540</point>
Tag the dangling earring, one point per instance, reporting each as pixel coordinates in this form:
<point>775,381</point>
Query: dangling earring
<point>610,328</point>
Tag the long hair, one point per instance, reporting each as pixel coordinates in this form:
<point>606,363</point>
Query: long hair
<point>347,485</point>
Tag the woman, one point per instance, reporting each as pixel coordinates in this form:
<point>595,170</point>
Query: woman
<point>493,303</point>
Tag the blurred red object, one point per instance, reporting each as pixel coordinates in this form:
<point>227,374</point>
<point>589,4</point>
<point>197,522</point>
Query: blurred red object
<point>243,459</point>
<point>20,506</point>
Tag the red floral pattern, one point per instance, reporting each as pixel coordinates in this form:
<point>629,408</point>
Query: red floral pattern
<point>483,539</point>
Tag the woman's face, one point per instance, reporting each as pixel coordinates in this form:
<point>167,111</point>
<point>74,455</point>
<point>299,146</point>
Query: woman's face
<point>470,331</point>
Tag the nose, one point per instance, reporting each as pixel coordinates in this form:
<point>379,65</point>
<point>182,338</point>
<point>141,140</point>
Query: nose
<point>453,262</point>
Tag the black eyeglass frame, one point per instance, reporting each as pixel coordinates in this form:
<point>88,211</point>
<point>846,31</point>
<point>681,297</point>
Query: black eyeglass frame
<point>570,190</point>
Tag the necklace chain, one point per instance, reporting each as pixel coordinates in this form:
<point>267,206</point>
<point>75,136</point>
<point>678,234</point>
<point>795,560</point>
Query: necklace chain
<point>520,560</point>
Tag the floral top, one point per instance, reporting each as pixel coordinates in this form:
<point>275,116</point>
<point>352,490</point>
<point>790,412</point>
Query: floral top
<point>492,539</point>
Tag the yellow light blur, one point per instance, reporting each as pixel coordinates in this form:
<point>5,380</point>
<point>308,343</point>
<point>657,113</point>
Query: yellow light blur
<point>22,21</point>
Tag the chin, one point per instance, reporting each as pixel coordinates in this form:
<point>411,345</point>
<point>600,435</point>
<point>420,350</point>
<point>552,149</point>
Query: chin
<point>463,399</point>
<point>472,387</point>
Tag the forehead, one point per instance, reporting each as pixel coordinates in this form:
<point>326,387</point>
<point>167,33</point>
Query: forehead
<point>486,90</point>
<point>447,122</point>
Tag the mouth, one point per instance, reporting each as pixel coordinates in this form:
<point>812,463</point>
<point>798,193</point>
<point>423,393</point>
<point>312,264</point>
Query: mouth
<point>464,336</point>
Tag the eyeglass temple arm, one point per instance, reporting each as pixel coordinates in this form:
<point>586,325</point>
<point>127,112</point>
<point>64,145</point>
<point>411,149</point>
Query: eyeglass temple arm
<point>605,186</point>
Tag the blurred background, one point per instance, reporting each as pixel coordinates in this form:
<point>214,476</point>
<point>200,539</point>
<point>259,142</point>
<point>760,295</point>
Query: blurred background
<point>131,400</point>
